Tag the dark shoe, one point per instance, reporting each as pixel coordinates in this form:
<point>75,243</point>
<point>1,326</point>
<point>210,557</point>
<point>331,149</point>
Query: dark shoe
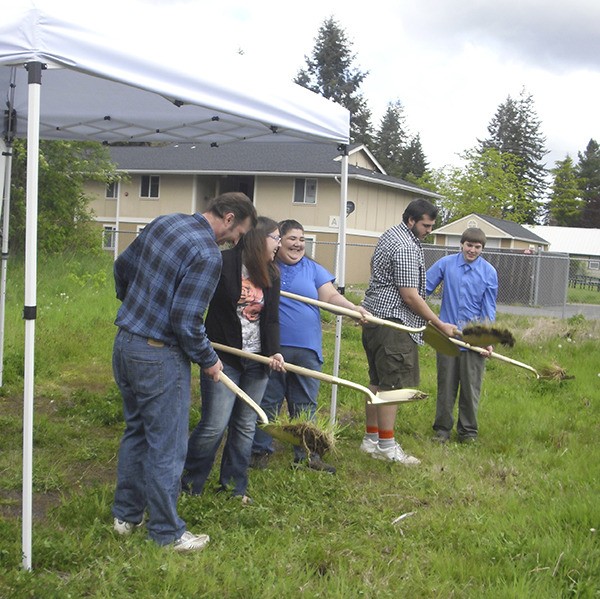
<point>260,461</point>
<point>467,440</point>
<point>315,463</point>
<point>440,437</point>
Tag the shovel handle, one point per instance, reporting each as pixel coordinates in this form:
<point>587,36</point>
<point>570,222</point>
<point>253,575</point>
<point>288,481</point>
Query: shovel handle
<point>243,396</point>
<point>328,378</point>
<point>352,313</point>
<point>481,350</point>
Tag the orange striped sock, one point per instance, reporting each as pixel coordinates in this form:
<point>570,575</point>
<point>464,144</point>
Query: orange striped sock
<point>386,439</point>
<point>372,433</point>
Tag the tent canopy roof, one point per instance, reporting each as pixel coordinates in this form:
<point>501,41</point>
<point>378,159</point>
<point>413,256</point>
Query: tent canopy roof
<point>95,87</point>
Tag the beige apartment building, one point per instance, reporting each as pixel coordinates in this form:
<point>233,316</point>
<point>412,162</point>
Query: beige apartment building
<point>298,180</point>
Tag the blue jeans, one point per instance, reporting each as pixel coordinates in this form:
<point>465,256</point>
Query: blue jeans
<point>300,392</point>
<point>221,411</point>
<point>155,386</point>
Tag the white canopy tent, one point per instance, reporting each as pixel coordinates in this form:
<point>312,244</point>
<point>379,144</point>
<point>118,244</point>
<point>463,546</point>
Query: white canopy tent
<point>62,79</point>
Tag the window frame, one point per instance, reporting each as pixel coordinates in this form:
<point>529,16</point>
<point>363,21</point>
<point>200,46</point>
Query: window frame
<point>308,184</point>
<point>150,187</point>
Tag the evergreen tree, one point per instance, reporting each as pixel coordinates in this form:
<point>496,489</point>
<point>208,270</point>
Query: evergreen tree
<point>398,153</point>
<point>330,72</point>
<point>565,205</point>
<point>414,163</point>
<point>515,129</point>
<point>588,170</point>
<point>390,139</point>
<point>65,221</point>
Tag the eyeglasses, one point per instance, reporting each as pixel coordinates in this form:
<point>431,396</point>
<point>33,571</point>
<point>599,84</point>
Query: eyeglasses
<point>274,237</point>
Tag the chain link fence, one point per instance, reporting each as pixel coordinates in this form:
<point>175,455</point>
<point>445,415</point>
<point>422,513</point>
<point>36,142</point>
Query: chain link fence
<point>539,279</point>
<point>529,279</point>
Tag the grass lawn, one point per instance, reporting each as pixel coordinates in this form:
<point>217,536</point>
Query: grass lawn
<point>516,515</point>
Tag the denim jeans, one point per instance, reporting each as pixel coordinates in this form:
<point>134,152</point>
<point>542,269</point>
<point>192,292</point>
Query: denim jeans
<point>223,411</point>
<point>155,386</point>
<point>299,391</point>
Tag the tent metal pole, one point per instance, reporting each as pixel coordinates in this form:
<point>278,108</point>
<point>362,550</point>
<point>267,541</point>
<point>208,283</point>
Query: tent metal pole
<point>29,310</point>
<point>340,278</point>
<point>5,175</point>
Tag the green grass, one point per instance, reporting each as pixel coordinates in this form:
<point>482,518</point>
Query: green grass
<point>582,296</point>
<point>514,516</point>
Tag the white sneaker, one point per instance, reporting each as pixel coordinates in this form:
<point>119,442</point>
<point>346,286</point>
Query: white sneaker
<point>395,454</point>
<point>191,542</point>
<point>368,446</point>
<point>125,528</point>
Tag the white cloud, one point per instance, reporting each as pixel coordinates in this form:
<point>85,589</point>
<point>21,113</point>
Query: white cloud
<point>450,62</point>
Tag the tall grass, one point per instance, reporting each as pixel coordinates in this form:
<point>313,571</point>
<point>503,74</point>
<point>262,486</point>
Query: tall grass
<point>515,515</point>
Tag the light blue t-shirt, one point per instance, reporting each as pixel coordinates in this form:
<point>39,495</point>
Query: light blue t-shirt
<point>300,323</point>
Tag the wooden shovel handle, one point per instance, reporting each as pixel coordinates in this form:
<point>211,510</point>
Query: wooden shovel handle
<point>352,313</point>
<point>481,350</point>
<point>315,374</point>
<point>243,396</point>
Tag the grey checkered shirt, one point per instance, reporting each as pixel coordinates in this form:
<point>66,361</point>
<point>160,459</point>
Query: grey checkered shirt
<point>397,262</point>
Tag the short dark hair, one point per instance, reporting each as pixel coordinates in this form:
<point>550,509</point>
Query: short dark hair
<point>474,235</point>
<point>234,201</point>
<point>419,208</point>
<point>288,225</point>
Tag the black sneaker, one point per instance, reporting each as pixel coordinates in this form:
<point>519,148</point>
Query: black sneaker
<point>260,460</point>
<point>315,463</point>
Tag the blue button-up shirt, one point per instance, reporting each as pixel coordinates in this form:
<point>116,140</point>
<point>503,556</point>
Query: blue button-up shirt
<point>469,290</point>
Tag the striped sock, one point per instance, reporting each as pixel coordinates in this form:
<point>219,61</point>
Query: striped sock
<point>386,439</point>
<point>372,434</point>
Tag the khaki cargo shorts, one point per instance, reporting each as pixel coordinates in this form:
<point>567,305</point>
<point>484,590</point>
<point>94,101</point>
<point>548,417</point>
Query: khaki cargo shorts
<point>393,357</point>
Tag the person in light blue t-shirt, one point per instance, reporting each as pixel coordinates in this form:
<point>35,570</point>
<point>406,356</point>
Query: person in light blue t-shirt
<point>470,288</point>
<point>301,340</point>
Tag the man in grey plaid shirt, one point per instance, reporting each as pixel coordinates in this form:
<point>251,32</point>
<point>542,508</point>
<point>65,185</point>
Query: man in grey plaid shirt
<point>397,292</point>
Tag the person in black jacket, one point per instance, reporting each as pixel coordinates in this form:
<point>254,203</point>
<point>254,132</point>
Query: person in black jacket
<point>244,314</point>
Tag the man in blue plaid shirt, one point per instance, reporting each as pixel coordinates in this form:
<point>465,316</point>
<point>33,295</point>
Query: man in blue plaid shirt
<point>397,292</point>
<point>165,280</point>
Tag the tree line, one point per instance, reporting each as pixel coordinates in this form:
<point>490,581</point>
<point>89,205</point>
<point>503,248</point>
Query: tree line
<point>504,175</point>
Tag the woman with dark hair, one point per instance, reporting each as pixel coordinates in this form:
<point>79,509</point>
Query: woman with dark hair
<point>301,341</point>
<point>244,313</point>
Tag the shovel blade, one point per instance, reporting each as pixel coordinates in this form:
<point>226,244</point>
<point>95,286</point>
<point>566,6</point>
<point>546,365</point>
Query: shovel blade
<point>277,432</point>
<point>396,396</point>
<point>442,344</point>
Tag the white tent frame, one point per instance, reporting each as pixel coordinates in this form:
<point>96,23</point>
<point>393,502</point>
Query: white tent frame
<point>36,41</point>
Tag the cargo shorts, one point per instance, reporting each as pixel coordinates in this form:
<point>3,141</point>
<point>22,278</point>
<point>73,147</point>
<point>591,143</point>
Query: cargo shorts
<point>392,356</point>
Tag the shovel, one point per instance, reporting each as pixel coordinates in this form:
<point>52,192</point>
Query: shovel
<point>395,396</point>
<point>353,313</point>
<point>431,334</point>
<point>274,430</point>
<point>481,350</point>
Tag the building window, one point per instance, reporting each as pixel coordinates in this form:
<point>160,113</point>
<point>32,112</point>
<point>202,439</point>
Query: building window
<point>594,265</point>
<point>112,190</point>
<point>310,245</point>
<point>149,186</point>
<point>109,235</point>
<point>305,191</point>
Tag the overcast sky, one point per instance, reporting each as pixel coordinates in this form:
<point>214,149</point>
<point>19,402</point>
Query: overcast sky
<point>450,62</point>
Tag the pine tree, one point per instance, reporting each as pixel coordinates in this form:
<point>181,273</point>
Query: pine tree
<point>565,205</point>
<point>390,139</point>
<point>330,72</point>
<point>398,153</point>
<point>515,129</point>
<point>414,163</point>
<point>588,170</point>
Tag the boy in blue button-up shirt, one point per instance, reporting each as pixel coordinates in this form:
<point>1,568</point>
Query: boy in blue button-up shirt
<point>470,288</point>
